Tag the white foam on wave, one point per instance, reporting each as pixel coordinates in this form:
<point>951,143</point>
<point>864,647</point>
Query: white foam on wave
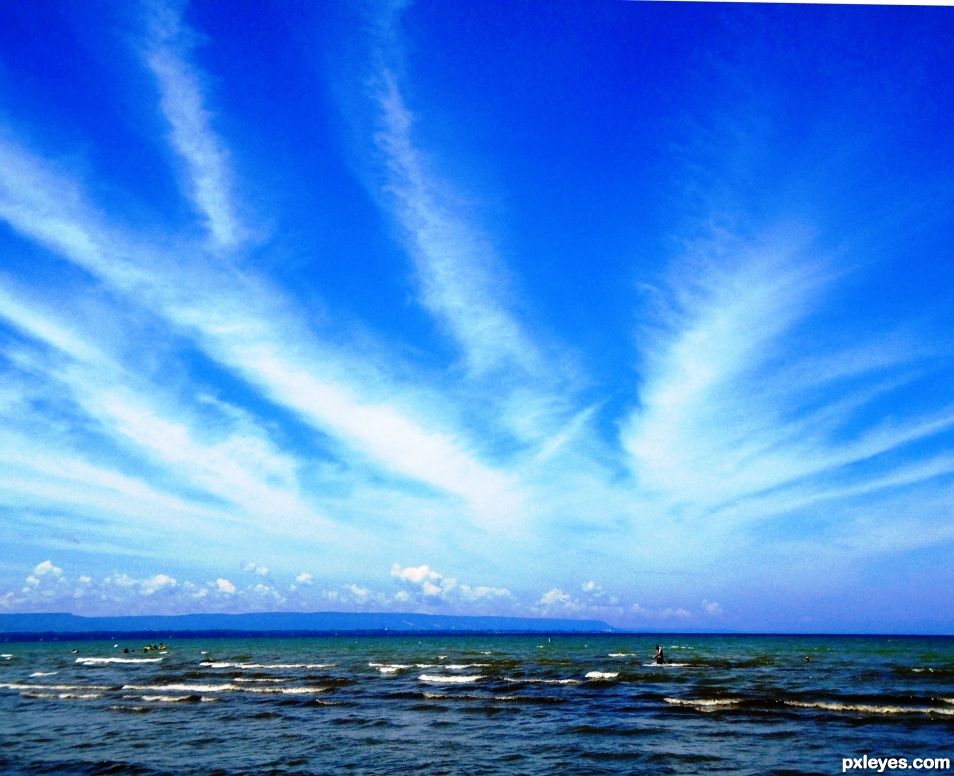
<point>601,675</point>
<point>447,679</point>
<point>191,688</point>
<point>869,708</point>
<point>52,687</point>
<point>7,656</point>
<point>536,680</point>
<point>42,673</point>
<point>176,699</point>
<point>286,690</point>
<point>667,664</point>
<point>63,696</point>
<point>390,668</point>
<point>704,704</point>
<point>462,666</point>
<point>217,688</point>
<point>222,664</point>
<point>254,680</point>
<point>95,661</point>
<point>621,654</point>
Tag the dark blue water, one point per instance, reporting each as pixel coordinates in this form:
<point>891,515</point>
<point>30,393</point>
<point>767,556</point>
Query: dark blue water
<point>475,705</point>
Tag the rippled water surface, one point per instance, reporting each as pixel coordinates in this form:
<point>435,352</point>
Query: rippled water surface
<point>474,704</point>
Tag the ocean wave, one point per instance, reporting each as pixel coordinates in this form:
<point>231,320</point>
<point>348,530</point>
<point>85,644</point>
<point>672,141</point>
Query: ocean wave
<point>704,704</point>
<point>63,696</point>
<point>171,698</point>
<point>446,679</point>
<point>622,654</point>
<point>537,680</point>
<point>667,664</point>
<point>42,673</point>
<point>53,687</point>
<point>95,661</point>
<point>7,656</point>
<point>223,664</point>
<point>257,680</point>
<point>869,708</point>
<point>601,676</point>
<point>390,668</point>
<point>285,690</point>
<point>191,688</point>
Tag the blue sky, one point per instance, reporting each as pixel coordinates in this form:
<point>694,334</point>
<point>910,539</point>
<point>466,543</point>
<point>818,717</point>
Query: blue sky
<point>638,311</point>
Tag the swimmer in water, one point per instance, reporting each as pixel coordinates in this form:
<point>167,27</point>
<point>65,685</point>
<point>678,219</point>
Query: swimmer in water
<point>659,657</point>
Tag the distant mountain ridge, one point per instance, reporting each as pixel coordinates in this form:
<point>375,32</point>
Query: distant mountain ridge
<point>317,622</point>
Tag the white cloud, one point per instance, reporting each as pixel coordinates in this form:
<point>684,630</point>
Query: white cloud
<point>416,574</point>
<point>304,578</point>
<point>461,279</point>
<point>224,586</point>
<point>555,596</point>
<point>711,607</point>
<point>47,567</point>
<point>156,583</point>
<point>210,177</point>
<point>434,586</point>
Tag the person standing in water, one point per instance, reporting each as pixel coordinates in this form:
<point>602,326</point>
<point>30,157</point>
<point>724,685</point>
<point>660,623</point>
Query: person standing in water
<point>659,657</point>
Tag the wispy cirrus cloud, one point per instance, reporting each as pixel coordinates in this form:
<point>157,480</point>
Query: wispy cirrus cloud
<point>462,281</point>
<point>242,323</point>
<point>211,185</point>
<point>741,412</point>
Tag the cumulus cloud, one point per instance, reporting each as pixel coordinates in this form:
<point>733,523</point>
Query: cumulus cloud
<point>47,567</point>
<point>255,568</point>
<point>304,578</point>
<point>432,585</point>
<point>556,597</point>
<point>224,586</point>
<point>156,583</point>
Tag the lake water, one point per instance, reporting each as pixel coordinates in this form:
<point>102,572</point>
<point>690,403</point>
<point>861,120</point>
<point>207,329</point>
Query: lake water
<point>481,704</point>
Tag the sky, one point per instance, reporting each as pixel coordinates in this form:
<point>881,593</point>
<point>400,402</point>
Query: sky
<point>632,311</point>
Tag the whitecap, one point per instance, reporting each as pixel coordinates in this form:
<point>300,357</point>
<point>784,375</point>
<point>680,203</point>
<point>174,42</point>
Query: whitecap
<point>95,661</point>
<point>445,679</point>
<point>869,708</point>
<point>667,664</point>
<point>390,668</point>
<point>193,688</point>
<point>7,656</point>
<point>63,696</point>
<point>532,680</point>
<point>42,673</point>
<point>461,666</point>
<point>52,687</point>
<point>286,690</point>
<point>602,675</point>
<point>621,654</point>
<point>704,704</point>
<point>167,698</point>
<point>222,664</point>
<point>252,680</point>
